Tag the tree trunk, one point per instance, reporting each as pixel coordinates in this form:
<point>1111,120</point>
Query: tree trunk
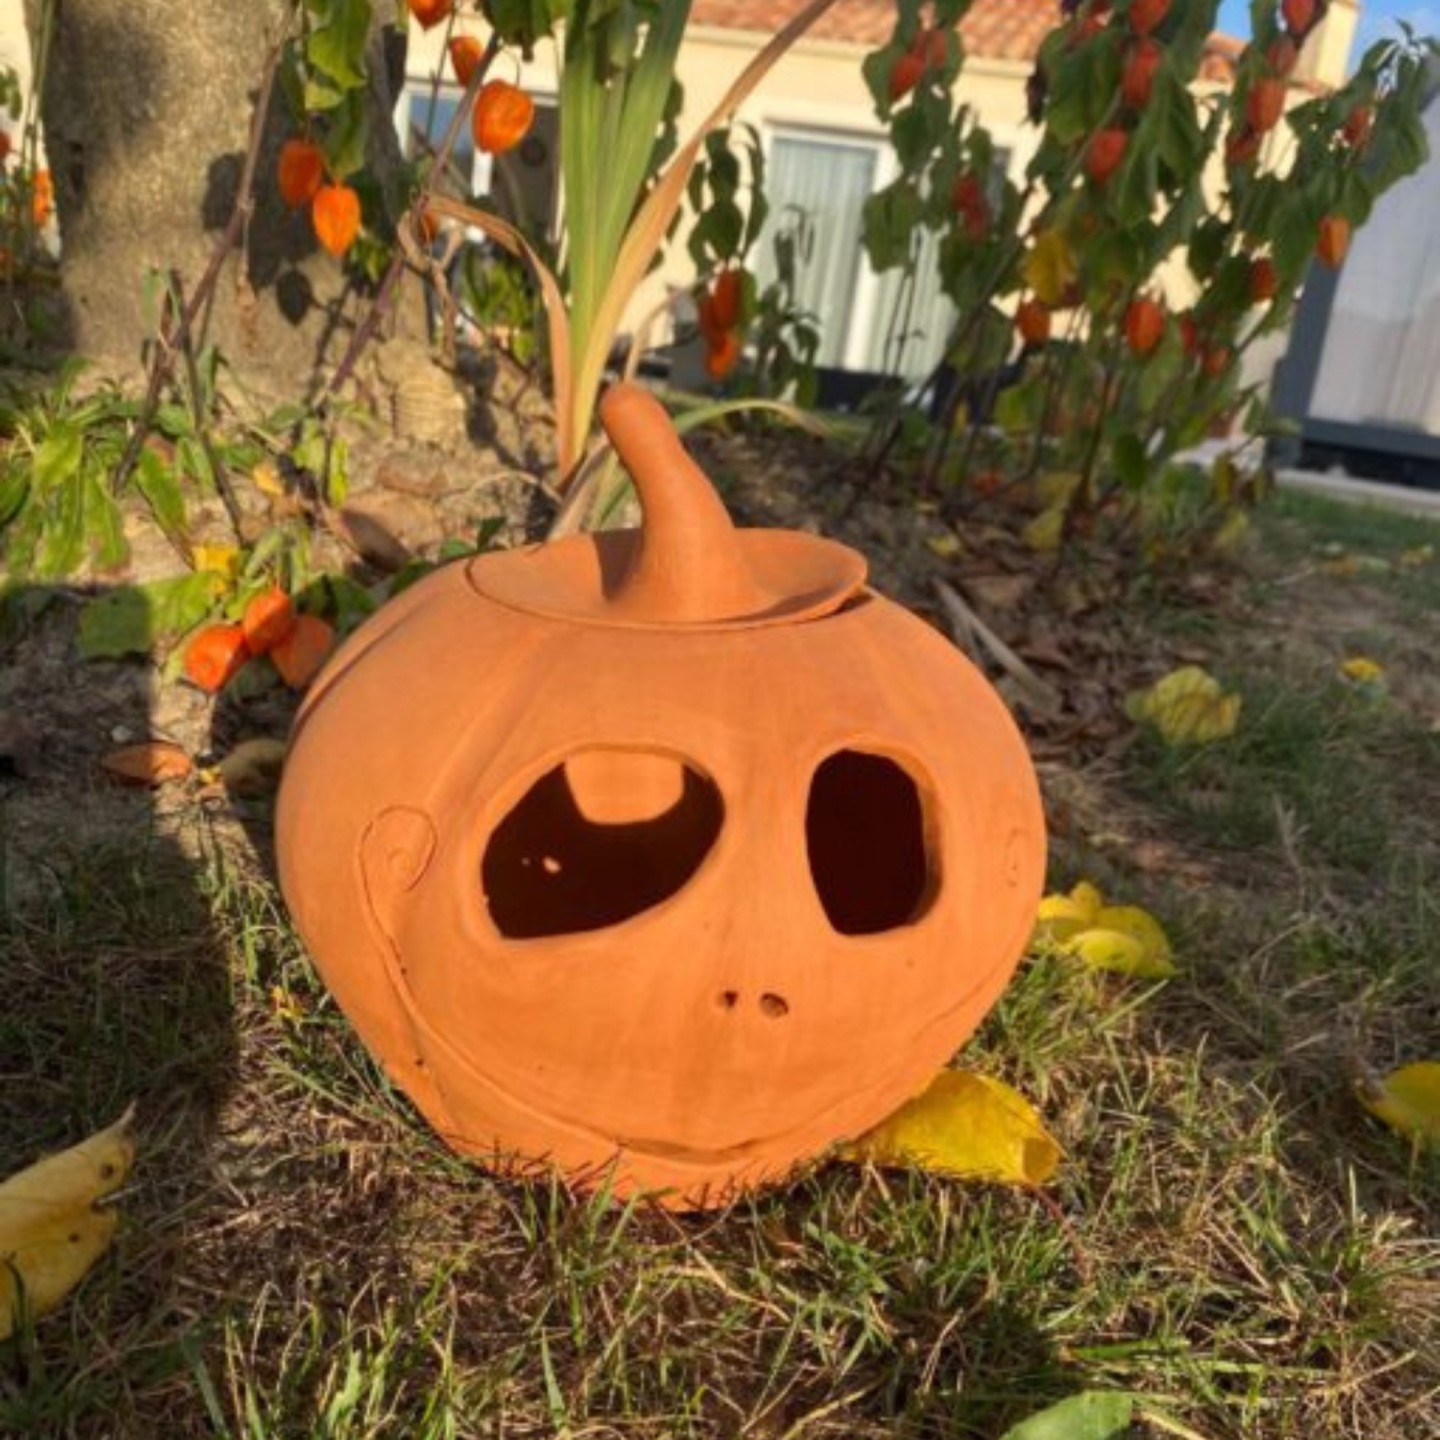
<point>147,110</point>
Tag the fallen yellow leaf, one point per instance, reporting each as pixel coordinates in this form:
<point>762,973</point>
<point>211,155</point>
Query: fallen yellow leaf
<point>1407,1100</point>
<point>51,1229</point>
<point>1045,531</point>
<point>1187,707</point>
<point>1362,670</point>
<point>946,545</point>
<point>1120,938</point>
<point>1414,559</point>
<point>1122,953</point>
<point>1049,267</point>
<point>1231,533</point>
<point>965,1125</point>
<point>1061,916</point>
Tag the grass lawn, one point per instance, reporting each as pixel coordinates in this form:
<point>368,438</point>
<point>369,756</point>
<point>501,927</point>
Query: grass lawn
<point>1231,1236</point>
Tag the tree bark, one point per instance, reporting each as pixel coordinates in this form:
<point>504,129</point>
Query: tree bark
<point>147,110</point>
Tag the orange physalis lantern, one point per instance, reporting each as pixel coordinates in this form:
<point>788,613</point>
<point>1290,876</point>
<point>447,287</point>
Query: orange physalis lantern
<point>503,114</point>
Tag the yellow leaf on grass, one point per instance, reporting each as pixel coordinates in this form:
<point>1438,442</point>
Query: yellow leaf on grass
<point>1414,559</point>
<point>1127,940</point>
<point>1187,707</point>
<point>965,1125</point>
<point>1061,916</point>
<point>1049,268</point>
<point>1121,938</point>
<point>222,560</point>
<point>1407,1100</point>
<point>1362,670</point>
<point>51,1227</point>
<point>1044,532</point>
<point>946,545</point>
<point>1232,532</point>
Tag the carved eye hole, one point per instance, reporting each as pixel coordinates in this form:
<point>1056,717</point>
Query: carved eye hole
<point>600,838</point>
<point>866,836</point>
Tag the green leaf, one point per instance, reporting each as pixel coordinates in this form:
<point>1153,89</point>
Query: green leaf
<point>1128,458</point>
<point>911,132</point>
<point>62,542</point>
<point>320,95</point>
<point>890,217</point>
<point>131,621</point>
<point>1019,408</point>
<point>1161,370</point>
<point>346,137</point>
<point>104,524</point>
<point>1083,88</point>
<point>58,455</point>
<point>156,481</point>
<point>336,49</point>
<point>523,22</point>
<point>1090,1415</point>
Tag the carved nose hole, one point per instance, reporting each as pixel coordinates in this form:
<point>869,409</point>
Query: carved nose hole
<point>728,999</point>
<point>775,1006</point>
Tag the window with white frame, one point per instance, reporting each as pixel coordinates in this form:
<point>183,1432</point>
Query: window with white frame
<point>825,178</point>
<point>867,321</point>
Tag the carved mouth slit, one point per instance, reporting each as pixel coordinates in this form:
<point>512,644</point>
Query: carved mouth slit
<point>597,841</point>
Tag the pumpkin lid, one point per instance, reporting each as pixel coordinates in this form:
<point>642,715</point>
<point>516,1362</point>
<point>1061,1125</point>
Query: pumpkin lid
<point>687,566</point>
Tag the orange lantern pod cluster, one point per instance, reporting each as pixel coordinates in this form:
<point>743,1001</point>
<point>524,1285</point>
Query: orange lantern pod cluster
<point>334,207</point>
<point>684,856</point>
<point>298,645</point>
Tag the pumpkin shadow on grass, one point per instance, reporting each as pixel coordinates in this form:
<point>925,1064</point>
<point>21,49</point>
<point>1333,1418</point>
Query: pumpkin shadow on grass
<point>117,989</point>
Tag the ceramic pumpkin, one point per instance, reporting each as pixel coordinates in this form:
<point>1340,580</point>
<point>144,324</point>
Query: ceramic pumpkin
<point>668,857</point>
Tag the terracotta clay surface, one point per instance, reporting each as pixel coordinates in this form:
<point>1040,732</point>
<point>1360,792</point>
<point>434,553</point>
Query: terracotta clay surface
<point>669,857</point>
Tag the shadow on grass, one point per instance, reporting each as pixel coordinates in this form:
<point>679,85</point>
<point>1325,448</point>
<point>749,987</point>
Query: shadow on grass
<point>116,989</point>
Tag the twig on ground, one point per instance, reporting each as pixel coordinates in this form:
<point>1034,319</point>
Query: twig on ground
<point>973,635</point>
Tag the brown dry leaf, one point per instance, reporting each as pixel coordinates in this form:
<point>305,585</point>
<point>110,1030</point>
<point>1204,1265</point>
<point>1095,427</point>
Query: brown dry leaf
<point>1042,649</point>
<point>998,592</point>
<point>151,762</point>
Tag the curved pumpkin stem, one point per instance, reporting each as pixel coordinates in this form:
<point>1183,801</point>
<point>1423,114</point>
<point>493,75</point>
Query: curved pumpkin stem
<point>688,566</point>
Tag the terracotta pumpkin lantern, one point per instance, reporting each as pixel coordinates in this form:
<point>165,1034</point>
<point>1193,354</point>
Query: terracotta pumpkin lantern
<point>667,856</point>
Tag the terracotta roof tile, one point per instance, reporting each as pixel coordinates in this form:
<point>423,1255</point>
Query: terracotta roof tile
<point>997,29</point>
<point>992,29</point>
